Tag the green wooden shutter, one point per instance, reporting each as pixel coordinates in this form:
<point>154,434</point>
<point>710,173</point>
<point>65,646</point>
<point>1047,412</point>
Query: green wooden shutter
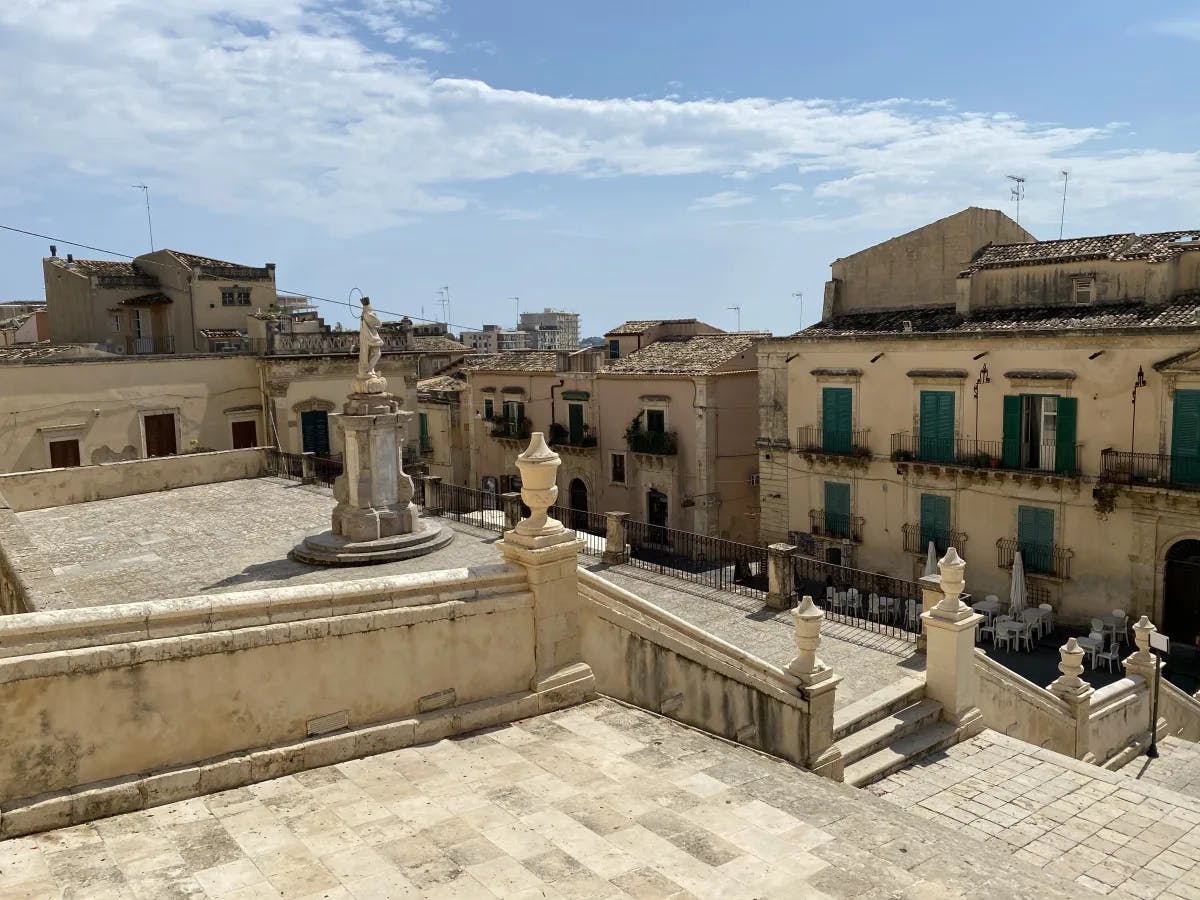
<point>423,422</point>
<point>937,425</point>
<point>935,522</point>
<point>489,408</point>
<point>314,432</point>
<point>837,509</point>
<point>1064,438</point>
<point>837,419</point>
<point>1035,537</point>
<point>575,422</point>
<point>1012,432</point>
<point>1185,438</point>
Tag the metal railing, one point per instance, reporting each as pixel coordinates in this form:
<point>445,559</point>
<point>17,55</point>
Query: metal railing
<point>511,428</point>
<point>1039,559</point>
<point>560,436</point>
<point>917,538</point>
<point>426,443</point>
<point>1163,469</point>
<point>867,600</point>
<point>483,509</point>
<point>835,525</point>
<point>970,453</point>
<point>591,526</point>
<point>137,346</point>
<point>323,469</point>
<point>715,562</point>
<point>814,439</point>
<point>665,443</point>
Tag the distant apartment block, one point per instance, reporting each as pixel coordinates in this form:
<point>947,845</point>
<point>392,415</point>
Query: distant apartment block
<point>551,329</point>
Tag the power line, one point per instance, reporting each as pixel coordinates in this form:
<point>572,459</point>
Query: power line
<point>304,294</point>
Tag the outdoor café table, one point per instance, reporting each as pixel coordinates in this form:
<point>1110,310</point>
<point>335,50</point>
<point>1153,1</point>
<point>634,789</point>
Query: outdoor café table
<point>989,608</point>
<point>1113,625</point>
<point>1091,645</point>
<point>1036,614</point>
<point>1013,626</point>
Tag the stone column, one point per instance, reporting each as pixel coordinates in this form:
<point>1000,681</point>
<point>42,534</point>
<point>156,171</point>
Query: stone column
<point>549,554</point>
<point>931,596</point>
<point>818,685</point>
<point>1076,693</point>
<point>614,538</point>
<point>781,578</point>
<point>433,494</point>
<point>950,676</point>
<point>510,502</point>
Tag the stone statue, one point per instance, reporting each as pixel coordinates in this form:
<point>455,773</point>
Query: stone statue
<point>370,344</point>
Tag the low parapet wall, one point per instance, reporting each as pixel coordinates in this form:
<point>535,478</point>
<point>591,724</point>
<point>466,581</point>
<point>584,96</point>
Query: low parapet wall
<point>109,709</point>
<point>26,579</point>
<point>46,488</point>
<point>1019,708</point>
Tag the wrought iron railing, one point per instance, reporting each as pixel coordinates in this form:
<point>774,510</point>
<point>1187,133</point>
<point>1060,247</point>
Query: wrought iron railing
<point>917,538</point>
<point>512,429</point>
<point>483,509</point>
<point>1038,559</point>
<point>298,466</point>
<point>814,439</point>
<point>715,562</point>
<point>591,526</point>
<point>970,453</point>
<point>560,436</point>
<point>426,443</point>
<point>661,442</point>
<point>138,346</point>
<point>824,523</point>
<point>1163,469</point>
<point>867,600</point>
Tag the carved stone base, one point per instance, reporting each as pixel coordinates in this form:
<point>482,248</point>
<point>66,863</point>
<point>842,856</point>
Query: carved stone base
<point>329,549</point>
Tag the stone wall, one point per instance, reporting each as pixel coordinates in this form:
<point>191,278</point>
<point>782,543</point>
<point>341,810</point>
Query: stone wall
<point>1119,716</point>
<point>26,580</point>
<point>59,487</point>
<point>1019,708</point>
<point>114,708</point>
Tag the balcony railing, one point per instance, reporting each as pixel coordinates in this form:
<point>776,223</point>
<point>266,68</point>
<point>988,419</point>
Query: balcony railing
<point>560,436</point>
<point>512,429</point>
<point>814,439</point>
<point>1162,469</point>
<point>137,346</point>
<point>426,443</point>
<point>835,525</point>
<point>661,442</point>
<point>970,453</point>
<point>1038,559</point>
<point>917,538</point>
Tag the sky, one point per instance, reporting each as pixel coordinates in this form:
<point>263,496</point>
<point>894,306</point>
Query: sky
<point>621,159</point>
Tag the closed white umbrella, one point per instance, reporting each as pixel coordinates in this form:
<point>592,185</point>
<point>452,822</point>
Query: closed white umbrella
<point>931,560</point>
<point>1016,594</point>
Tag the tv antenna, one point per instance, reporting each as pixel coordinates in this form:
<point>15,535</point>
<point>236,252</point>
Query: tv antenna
<point>739,315</point>
<point>1066,173</point>
<point>799,295</point>
<point>444,298</point>
<point>145,189</point>
<point>517,300</point>
<point>1018,191</point>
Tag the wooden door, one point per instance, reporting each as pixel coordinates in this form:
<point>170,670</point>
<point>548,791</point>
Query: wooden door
<point>64,454</point>
<point>160,435</point>
<point>245,434</point>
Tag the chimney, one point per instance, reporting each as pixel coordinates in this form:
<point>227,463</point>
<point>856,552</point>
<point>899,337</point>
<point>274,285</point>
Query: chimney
<point>270,267</point>
<point>53,252</point>
<point>70,258</point>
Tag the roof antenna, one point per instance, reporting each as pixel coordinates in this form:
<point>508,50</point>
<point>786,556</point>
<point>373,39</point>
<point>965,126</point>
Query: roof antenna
<point>1066,173</point>
<point>739,315</point>
<point>145,189</point>
<point>1018,191</point>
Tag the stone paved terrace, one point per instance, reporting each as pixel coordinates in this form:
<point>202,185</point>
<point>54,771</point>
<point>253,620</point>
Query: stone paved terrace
<point>596,801</point>
<point>235,535</point>
<point>1177,767</point>
<point>1109,831</point>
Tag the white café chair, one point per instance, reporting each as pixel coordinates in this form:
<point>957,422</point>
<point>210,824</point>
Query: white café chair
<point>1120,628</point>
<point>873,607</point>
<point>1033,623</point>
<point>913,617</point>
<point>1048,618</point>
<point>1095,644</point>
<point>1001,634</point>
<point>1111,656</point>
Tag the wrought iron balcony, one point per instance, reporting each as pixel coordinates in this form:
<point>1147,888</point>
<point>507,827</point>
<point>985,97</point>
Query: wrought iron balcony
<point>1159,469</point>
<point>835,525</point>
<point>426,443</point>
<point>664,443</point>
<point>560,436</point>
<point>970,453</point>
<point>917,538</point>
<point>137,346</point>
<point>814,439</point>
<point>1039,559</point>
<point>512,429</point>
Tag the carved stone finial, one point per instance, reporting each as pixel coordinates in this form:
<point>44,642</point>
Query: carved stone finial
<point>807,666</point>
<point>539,469</point>
<point>1069,685</point>
<point>952,566</point>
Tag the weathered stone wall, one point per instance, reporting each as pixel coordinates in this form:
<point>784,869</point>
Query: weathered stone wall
<point>1019,708</point>
<point>26,580</point>
<point>60,487</point>
<point>1120,714</point>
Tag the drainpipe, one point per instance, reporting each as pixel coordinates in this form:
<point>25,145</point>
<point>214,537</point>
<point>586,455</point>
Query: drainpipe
<point>553,388</point>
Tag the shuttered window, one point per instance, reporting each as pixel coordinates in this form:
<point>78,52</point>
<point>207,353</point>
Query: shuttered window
<point>837,509</point>
<point>314,432</point>
<point>937,425</point>
<point>1185,438</point>
<point>1035,538</point>
<point>1064,438</point>
<point>935,522</point>
<point>489,408</point>
<point>836,419</point>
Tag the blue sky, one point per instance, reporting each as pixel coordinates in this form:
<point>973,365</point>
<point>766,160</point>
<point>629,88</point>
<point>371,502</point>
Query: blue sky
<point>622,159</point>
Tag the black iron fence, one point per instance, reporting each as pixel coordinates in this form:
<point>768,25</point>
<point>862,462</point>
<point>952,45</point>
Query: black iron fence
<point>917,538</point>
<point>815,439</point>
<point>591,526</point>
<point>483,509</point>
<point>715,562</point>
<point>1163,469</point>
<point>1038,559</point>
<point>975,454</point>
<point>299,466</point>
<point>825,523</point>
<point>868,600</point>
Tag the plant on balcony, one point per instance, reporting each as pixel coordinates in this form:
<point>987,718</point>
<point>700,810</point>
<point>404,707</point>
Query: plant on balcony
<point>902,456</point>
<point>641,441</point>
<point>1104,497</point>
<point>558,434</point>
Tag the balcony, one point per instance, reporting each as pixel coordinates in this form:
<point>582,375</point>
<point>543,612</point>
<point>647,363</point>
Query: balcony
<point>1039,559</point>
<point>814,439</point>
<point>139,346</point>
<point>916,539</point>
<point>969,453</point>
<point>835,525</point>
<point>1151,469</point>
<point>662,443</point>
<point>560,436</point>
<point>511,429</point>
<point>426,444</point>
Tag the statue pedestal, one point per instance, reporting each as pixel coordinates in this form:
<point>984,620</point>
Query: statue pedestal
<point>375,519</point>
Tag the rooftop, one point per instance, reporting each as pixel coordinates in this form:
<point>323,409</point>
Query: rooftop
<point>1154,247</point>
<point>194,261</point>
<point>514,361</point>
<point>107,267</point>
<point>43,351</point>
<point>1184,312</point>
<point>640,326</point>
<point>432,343</point>
<point>442,383</point>
<point>700,354</point>
<point>597,800</point>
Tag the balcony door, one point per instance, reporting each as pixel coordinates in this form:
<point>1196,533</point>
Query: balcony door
<point>935,522</point>
<point>1185,438</point>
<point>1039,432</point>
<point>937,426</point>
<point>837,419</point>
<point>575,423</point>
<point>837,509</point>
<point>1035,538</point>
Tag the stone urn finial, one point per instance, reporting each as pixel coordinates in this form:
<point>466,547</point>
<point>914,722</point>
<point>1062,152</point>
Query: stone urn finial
<point>539,469</point>
<point>806,665</point>
<point>952,566</point>
<point>1142,630</point>
<point>1069,686</point>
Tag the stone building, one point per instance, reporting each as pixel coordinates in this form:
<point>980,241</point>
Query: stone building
<point>1049,404</point>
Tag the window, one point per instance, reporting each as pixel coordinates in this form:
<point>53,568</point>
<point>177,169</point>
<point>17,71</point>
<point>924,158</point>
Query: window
<point>64,454</point>
<point>935,522</point>
<point>1185,437</point>
<point>114,322</point>
<point>837,509</point>
<point>1083,289</point>
<point>1039,432</point>
<point>614,349</point>
<point>618,468</point>
<point>235,296</point>
<point>514,410</point>
<point>245,433</point>
<point>836,419</point>
<point>937,426</point>
<point>656,420</point>
<point>489,408</point>
<point>138,323</point>
<point>314,432</point>
<point>575,423</point>
<point>1035,538</point>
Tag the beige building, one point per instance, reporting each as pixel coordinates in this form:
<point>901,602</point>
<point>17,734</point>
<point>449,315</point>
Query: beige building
<point>998,417</point>
<point>23,324</point>
<point>658,424</point>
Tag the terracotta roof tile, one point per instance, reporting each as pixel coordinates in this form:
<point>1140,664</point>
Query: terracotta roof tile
<point>640,326</point>
<point>514,361</point>
<point>110,267</point>
<point>1154,247</point>
<point>700,354</point>
<point>193,260</point>
<point>443,383</point>
<point>431,343</point>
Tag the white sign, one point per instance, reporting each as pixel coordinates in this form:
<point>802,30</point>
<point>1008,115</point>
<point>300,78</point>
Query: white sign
<point>1159,641</point>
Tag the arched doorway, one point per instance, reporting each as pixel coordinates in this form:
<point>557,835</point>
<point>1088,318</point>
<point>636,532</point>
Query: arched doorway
<point>1181,594</point>
<point>579,504</point>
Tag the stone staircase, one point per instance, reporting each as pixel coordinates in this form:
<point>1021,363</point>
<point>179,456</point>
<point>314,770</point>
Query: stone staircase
<point>887,730</point>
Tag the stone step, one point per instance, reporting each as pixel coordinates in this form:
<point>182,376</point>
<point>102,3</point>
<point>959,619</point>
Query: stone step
<point>900,753</point>
<point>865,741</point>
<point>876,706</point>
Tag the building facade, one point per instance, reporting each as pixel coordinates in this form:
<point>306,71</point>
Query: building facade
<point>1003,419</point>
<point>551,329</point>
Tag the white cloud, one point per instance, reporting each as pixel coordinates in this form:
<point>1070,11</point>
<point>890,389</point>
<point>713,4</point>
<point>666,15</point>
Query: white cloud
<point>291,106</point>
<point>1183,27</point>
<point>788,187</point>
<point>721,200</point>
